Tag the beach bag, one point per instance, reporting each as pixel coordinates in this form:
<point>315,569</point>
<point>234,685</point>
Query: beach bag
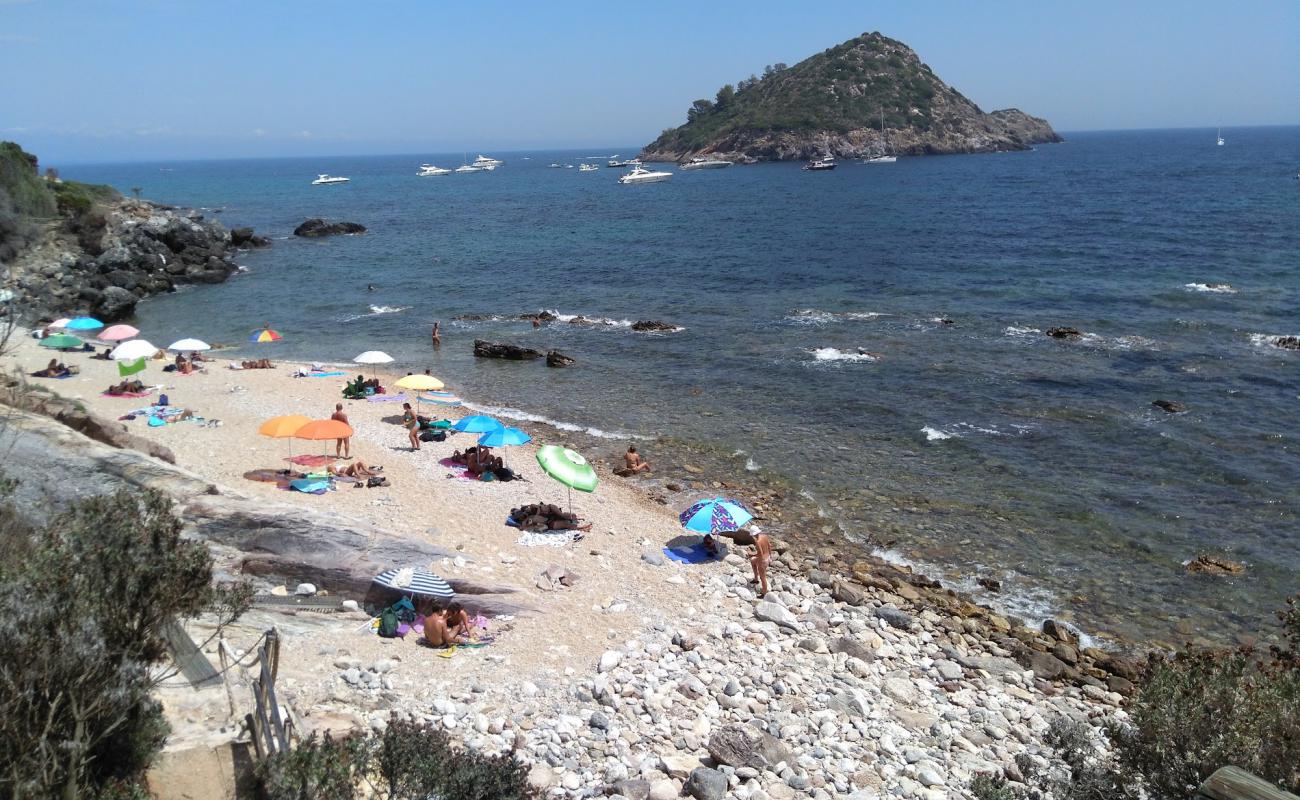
<point>162,400</point>
<point>388,623</point>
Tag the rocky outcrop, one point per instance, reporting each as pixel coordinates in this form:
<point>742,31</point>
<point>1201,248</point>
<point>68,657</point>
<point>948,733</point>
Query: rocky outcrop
<point>554,358</point>
<point>1205,564</point>
<point>1064,333</point>
<point>652,325</point>
<point>512,352</point>
<point>1170,406</point>
<point>834,101</point>
<point>244,237</point>
<point>1286,342</point>
<point>315,228</point>
<point>144,249</point>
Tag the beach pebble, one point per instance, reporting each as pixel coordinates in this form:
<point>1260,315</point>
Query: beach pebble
<point>653,557</point>
<point>609,660</point>
<point>305,589</point>
<point>350,605</point>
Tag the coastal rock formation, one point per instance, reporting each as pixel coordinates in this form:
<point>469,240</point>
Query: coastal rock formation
<point>652,325</point>
<point>1170,406</point>
<point>244,237</point>
<point>1286,342</point>
<point>554,358</point>
<point>512,352</point>
<point>1206,564</point>
<point>833,103</point>
<point>316,227</point>
<point>1064,333</point>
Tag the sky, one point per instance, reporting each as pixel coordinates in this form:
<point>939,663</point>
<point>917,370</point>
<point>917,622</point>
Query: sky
<point>126,80</point>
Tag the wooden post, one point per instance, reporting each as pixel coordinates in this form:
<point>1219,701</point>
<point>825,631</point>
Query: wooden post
<point>1233,783</point>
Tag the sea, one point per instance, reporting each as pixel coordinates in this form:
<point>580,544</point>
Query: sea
<point>871,340</point>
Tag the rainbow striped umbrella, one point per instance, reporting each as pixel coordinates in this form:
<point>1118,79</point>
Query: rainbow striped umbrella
<point>265,335</point>
<point>716,515</point>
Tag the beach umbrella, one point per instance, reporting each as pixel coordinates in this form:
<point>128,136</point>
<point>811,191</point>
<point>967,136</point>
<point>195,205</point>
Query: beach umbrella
<point>441,398</point>
<point>60,341</point>
<point>83,324</point>
<point>130,351</point>
<point>118,333</point>
<point>323,430</point>
<point>284,427</point>
<point>476,423</point>
<point>419,383</point>
<point>189,345</point>
<point>265,335</point>
<point>716,515</point>
<point>416,581</point>
<point>59,323</point>
<point>568,467</point>
<point>504,437</point>
<point>373,357</point>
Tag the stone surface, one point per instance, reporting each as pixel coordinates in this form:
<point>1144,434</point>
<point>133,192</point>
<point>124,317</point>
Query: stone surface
<point>771,612</point>
<point>706,784</point>
<point>746,746</point>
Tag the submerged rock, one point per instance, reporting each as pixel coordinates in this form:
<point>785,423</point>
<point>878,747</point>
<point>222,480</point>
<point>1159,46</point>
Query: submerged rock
<point>317,227</point>
<point>1286,342</point>
<point>1214,565</point>
<point>512,352</point>
<point>554,358</point>
<point>1064,333</point>
<point>1170,406</point>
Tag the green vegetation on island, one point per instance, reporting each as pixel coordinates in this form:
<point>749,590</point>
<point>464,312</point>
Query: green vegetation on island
<point>28,199</point>
<point>834,102</point>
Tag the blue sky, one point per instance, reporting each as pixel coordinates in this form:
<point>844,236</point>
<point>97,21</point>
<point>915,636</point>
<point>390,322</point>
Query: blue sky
<point>145,79</point>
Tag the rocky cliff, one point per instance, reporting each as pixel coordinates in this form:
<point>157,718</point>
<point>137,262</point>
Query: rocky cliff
<point>73,248</point>
<point>833,102</point>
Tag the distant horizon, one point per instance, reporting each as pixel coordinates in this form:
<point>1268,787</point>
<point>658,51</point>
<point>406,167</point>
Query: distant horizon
<point>623,150</point>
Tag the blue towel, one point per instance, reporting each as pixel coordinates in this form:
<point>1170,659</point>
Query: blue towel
<point>324,374</point>
<point>309,485</point>
<point>695,554</point>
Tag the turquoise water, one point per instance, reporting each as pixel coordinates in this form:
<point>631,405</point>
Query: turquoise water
<point>980,447</point>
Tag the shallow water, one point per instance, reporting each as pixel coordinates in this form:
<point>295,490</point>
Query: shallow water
<point>812,350</point>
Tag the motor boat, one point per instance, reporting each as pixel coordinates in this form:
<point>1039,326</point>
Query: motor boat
<point>468,168</point>
<point>323,179</point>
<point>556,166</point>
<point>640,174</point>
<point>616,164</point>
<point>587,168</point>
<point>427,170</point>
<point>700,162</point>
<point>880,160</point>
<point>484,162</point>
<point>820,165</point>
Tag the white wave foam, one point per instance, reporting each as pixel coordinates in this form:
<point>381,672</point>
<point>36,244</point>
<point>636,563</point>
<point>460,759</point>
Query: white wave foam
<point>527,416</point>
<point>1213,288</point>
<point>813,316</point>
<point>1016,330</point>
<point>959,430</point>
<point>583,318</point>
<point>376,311</point>
<point>934,434</point>
<point>836,354</point>
<point>1270,339</point>
<point>751,465</point>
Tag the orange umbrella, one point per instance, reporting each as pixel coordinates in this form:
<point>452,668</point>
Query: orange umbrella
<point>319,429</point>
<point>284,428</point>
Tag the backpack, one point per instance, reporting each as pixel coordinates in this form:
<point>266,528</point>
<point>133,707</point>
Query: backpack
<point>388,623</point>
<point>163,400</point>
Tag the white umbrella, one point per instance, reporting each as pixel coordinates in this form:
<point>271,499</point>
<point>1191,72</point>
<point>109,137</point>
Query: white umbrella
<point>373,357</point>
<point>130,351</point>
<point>190,345</point>
<point>59,323</point>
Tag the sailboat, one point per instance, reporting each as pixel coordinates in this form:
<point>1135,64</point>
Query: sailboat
<point>1219,140</point>
<point>884,157</point>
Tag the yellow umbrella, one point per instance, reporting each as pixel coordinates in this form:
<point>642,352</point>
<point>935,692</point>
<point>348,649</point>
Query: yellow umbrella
<point>419,383</point>
<point>284,428</point>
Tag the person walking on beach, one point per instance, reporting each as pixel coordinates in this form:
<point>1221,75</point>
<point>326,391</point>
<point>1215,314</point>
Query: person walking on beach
<point>344,444</point>
<point>412,425</point>
<point>762,557</point>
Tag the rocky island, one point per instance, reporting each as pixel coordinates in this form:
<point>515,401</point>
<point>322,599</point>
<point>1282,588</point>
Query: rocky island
<point>832,103</point>
<point>69,248</point>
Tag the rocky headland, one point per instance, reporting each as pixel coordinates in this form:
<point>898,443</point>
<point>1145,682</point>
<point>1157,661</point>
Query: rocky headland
<point>833,102</point>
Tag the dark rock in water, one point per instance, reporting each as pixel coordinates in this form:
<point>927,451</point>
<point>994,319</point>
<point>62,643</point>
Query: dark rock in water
<point>652,325</point>
<point>1059,632</point>
<point>554,358</point>
<point>1064,333</point>
<point>946,321</point>
<point>705,783</point>
<point>1170,406</point>
<point>1287,342</point>
<point>992,584</point>
<point>1214,565</point>
<point>317,227</point>
<point>244,237</point>
<point>115,303</point>
<point>512,352</point>
<point>746,746</point>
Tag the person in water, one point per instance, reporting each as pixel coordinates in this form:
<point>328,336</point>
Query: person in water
<point>635,463</point>
<point>437,333</point>
<point>370,287</point>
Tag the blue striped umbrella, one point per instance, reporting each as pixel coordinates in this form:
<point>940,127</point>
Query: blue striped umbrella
<point>477,423</point>
<point>415,580</point>
<point>716,515</point>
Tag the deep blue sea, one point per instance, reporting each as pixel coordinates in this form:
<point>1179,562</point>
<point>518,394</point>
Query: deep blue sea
<point>981,447</point>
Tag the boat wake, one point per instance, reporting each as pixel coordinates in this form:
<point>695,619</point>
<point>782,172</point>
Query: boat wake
<point>376,311</point>
<point>835,354</point>
<point>1213,288</point>
<point>963,430</point>
<point>527,416</point>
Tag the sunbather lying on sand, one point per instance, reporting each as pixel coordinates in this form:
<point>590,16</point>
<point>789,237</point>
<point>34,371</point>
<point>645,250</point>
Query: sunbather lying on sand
<point>126,387</point>
<point>540,517</point>
<point>104,355</point>
<point>177,416</point>
<point>55,369</point>
<point>357,469</point>
<point>261,363</point>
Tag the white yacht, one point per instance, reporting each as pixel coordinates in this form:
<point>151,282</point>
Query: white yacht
<point>428,170</point>
<point>323,179</point>
<point>556,166</point>
<point>700,162</point>
<point>884,157</point>
<point>1219,138</point>
<point>616,164</point>
<point>640,174</point>
<point>468,168</point>
<point>483,162</point>
<point>820,165</point>
<point>587,168</point>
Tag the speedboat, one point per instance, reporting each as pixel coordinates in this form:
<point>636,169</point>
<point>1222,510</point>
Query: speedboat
<point>880,160</point>
<point>700,162</point>
<point>821,164</point>
<point>587,168</point>
<point>468,168</point>
<point>487,163</point>
<point>616,164</point>
<point>640,174</point>
<point>427,170</point>
<point>556,166</point>
<point>323,179</point>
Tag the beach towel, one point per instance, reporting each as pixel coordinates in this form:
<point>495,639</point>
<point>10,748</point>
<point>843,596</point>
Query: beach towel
<point>56,377</point>
<point>694,554</point>
<point>324,374</point>
<point>312,461</point>
<point>458,470</point>
<point>129,394</point>
<point>441,398</point>
<point>386,398</point>
<point>549,539</point>
<point>310,485</point>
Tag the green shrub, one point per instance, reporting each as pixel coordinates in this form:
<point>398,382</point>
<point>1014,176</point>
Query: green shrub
<point>83,602</point>
<point>991,787</point>
<point>408,761</point>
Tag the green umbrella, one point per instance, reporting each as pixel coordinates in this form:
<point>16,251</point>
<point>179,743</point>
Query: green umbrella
<point>568,467</point>
<point>60,341</point>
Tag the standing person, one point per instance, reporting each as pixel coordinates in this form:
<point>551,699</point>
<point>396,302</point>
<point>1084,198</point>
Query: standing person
<point>344,444</point>
<point>412,425</point>
<point>762,557</point>
<point>437,333</point>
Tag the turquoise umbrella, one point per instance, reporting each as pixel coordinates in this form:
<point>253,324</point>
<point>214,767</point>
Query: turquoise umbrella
<point>568,467</point>
<point>504,437</point>
<point>715,516</point>
<point>477,423</point>
<point>83,324</point>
